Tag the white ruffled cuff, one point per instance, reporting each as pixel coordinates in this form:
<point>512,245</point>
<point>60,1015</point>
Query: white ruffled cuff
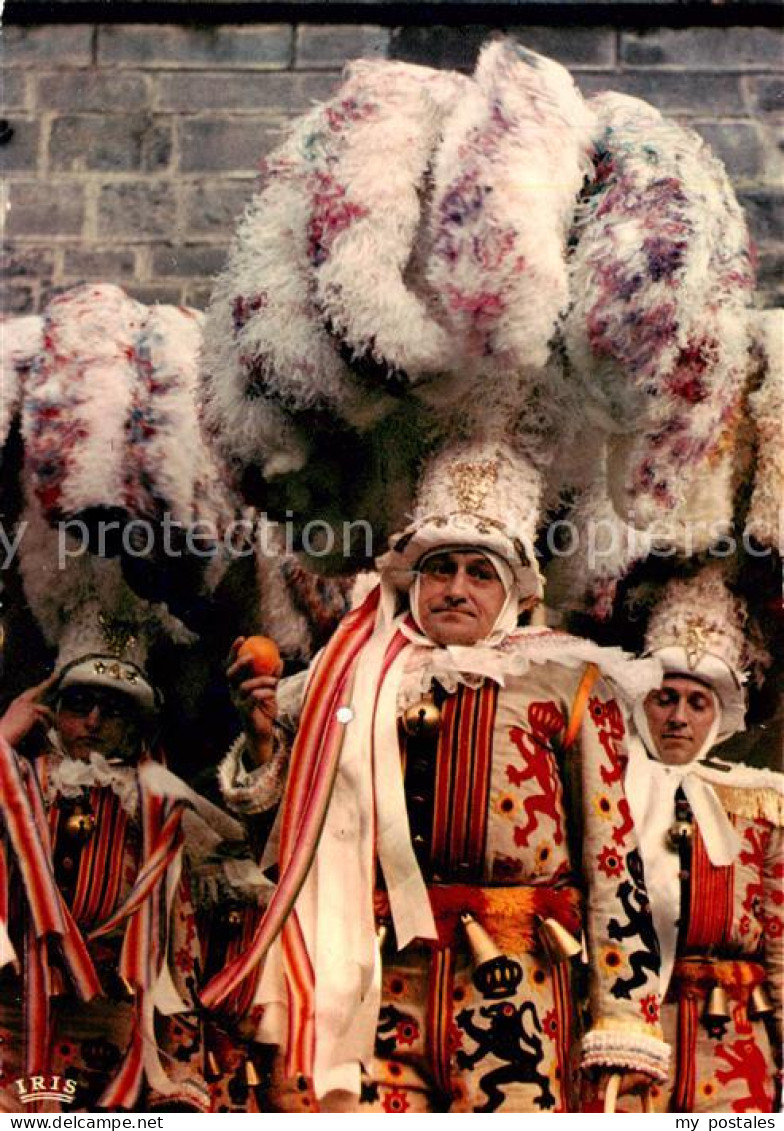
<point>253,791</point>
<point>625,1050</point>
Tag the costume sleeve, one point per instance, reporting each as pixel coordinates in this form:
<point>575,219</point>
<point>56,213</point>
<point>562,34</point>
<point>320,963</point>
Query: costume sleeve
<point>773,912</point>
<point>179,1027</point>
<point>623,951</point>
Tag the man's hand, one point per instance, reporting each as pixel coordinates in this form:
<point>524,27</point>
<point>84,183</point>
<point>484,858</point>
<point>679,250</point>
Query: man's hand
<point>27,712</point>
<point>255,698</point>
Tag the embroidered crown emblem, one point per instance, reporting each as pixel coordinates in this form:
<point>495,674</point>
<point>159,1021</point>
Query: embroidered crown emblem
<point>118,635</point>
<point>472,482</point>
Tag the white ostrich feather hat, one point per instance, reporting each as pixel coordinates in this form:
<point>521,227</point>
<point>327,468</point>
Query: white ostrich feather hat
<point>481,494</point>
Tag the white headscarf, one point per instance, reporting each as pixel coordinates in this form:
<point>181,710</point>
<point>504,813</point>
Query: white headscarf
<point>651,786</point>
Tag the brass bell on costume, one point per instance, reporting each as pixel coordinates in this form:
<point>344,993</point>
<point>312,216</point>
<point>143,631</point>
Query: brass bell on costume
<point>423,719</point>
<point>560,944</point>
<point>80,824</point>
<point>495,974</point>
<point>718,1006</point>
<point>679,833</point>
<point>760,1004</point>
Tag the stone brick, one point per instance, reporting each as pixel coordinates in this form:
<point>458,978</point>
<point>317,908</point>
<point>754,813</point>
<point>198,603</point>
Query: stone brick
<point>197,295</point>
<point>21,151</point>
<point>453,47</point>
<point>14,90</point>
<point>48,44</point>
<point>764,209</point>
<point>90,264</point>
<point>458,47</point>
<point>770,279</point>
<point>275,93</point>
<point>119,143</point>
<point>188,260</point>
<point>212,207</point>
<point>672,93</point>
<point>17,298</point>
<point>151,293</point>
<point>261,46</point>
<point>208,144</point>
<point>737,144</point>
<point>41,209</point>
<point>765,94</point>
<point>138,209</point>
<point>709,49</point>
<point>319,48</point>
<point>100,91</point>
<point>26,262</point>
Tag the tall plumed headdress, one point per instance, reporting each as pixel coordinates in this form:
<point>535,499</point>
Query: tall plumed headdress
<point>435,259</point>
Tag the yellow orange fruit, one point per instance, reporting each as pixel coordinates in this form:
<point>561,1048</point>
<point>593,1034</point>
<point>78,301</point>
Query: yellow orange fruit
<point>264,654</point>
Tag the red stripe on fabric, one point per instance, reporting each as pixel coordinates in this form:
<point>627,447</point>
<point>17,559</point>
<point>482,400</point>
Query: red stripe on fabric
<point>30,840</point>
<point>438,1018</point>
<point>479,785</point>
<point>462,771</point>
<point>37,994</point>
<point>103,859</point>
<point>442,793</point>
<point>314,758</point>
<point>320,707</point>
<point>302,1003</point>
<point>124,1088</point>
<point>685,1062</point>
<point>163,851</point>
<point>562,997</point>
<point>711,902</point>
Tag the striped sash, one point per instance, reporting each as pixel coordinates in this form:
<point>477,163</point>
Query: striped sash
<point>314,764</point>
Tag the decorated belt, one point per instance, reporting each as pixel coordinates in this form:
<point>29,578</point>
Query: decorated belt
<point>510,914</point>
<point>696,977</point>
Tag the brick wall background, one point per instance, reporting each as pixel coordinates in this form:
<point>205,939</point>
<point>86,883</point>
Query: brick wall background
<point>130,148</point>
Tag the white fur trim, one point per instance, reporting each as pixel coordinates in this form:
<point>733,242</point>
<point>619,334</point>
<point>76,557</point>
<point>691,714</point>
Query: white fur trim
<point>623,1049</point>
<point>253,791</point>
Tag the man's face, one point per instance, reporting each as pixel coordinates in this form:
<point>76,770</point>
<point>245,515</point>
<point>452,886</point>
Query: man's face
<point>460,597</point>
<point>97,719</point>
<point>680,714</point>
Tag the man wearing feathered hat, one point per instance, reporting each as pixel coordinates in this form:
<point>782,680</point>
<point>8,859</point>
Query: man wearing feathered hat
<point>711,838</point>
<point>98,944</point>
<point>453,782</point>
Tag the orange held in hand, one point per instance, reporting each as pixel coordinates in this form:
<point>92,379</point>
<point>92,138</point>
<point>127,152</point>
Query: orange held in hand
<point>264,653</point>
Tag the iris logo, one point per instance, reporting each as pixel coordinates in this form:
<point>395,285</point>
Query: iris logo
<point>33,1088</point>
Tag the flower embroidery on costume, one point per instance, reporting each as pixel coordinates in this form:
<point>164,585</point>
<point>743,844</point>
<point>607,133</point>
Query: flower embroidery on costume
<point>649,1007</point>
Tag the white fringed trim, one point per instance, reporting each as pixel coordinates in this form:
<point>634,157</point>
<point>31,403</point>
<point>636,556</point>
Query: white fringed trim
<point>625,1049</point>
<point>255,791</point>
<point>765,520</point>
<point>69,777</point>
<point>632,677</point>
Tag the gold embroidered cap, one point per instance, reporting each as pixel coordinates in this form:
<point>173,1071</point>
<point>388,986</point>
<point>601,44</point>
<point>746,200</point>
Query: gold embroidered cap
<point>481,494</point>
<point>102,649</point>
